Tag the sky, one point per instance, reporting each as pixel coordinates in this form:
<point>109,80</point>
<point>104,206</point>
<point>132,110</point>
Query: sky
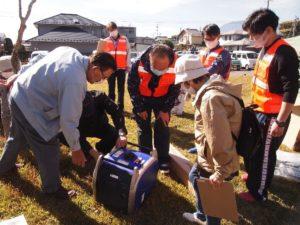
<point>151,17</point>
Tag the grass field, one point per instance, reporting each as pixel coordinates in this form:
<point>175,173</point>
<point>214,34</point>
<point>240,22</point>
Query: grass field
<point>20,192</point>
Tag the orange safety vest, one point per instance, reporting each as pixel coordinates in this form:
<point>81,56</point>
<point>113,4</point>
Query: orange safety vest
<point>207,59</point>
<point>165,81</point>
<point>118,50</point>
<point>267,102</point>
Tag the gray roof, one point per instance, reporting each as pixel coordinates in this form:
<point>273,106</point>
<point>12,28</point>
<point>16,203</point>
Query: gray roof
<point>66,34</point>
<point>68,19</point>
<point>192,32</point>
<point>232,26</point>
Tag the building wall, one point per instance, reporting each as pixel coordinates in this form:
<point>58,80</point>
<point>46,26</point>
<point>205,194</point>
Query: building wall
<point>195,40</point>
<point>84,48</point>
<point>129,32</point>
<point>233,37</point>
<point>184,39</point>
<point>236,48</point>
<point>140,47</point>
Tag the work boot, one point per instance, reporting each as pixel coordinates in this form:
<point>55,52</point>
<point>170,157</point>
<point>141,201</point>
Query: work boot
<point>164,168</point>
<point>192,217</point>
<point>62,194</point>
<point>247,197</point>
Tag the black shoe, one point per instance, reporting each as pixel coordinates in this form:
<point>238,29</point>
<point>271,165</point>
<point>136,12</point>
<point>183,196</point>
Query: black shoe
<point>62,194</point>
<point>164,168</point>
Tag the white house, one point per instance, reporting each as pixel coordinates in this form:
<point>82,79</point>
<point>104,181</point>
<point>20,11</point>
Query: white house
<point>190,37</point>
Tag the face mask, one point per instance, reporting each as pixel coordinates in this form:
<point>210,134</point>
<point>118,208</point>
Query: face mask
<point>191,91</point>
<point>212,44</point>
<point>158,72</point>
<point>261,41</point>
<point>114,33</point>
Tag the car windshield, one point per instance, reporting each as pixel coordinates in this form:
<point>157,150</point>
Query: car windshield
<point>133,55</point>
<point>252,55</point>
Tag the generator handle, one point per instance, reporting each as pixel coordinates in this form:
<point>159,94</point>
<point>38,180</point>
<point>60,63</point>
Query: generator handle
<point>139,146</point>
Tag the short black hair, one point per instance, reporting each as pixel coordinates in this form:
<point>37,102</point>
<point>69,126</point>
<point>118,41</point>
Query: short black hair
<point>259,20</point>
<point>112,25</point>
<point>162,50</point>
<point>211,30</point>
<point>200,79</point>
<point>104,61</point>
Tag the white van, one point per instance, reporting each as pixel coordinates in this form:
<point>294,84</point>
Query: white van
<point>247,58</point>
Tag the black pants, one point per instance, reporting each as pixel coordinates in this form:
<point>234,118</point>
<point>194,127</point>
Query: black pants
<point>120,75</point>
<point>261,166</point>
<point>106,132</point>
<point>161,135</point>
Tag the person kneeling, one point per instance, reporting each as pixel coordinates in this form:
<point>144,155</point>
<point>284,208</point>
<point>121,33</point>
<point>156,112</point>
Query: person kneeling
<point>220,114</point>
<point>94,123</point>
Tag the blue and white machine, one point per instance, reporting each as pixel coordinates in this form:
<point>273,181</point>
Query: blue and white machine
<point>124,178</point>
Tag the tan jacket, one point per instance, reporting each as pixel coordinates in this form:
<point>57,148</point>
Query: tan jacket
<point>217,114</point>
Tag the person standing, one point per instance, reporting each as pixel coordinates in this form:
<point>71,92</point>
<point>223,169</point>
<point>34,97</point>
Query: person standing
<point>118,46</point>
<point>46,98</point>
<point>215,58</point>
<point>274,91</point>
<point>151,88</point>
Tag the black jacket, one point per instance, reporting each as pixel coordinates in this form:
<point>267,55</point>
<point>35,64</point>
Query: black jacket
<point>284,74</point>
<point>95,106</point>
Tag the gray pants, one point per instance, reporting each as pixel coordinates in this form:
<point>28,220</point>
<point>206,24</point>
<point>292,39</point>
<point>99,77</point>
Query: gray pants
<point>46,152</point>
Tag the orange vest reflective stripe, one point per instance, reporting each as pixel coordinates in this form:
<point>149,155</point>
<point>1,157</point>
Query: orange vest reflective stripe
<point>267,102</point>
<point>207,59</point>
<point>165,81</point>
<point>118,51</point>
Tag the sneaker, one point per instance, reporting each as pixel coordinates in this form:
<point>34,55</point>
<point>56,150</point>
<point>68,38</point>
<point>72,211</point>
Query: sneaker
<point>244,177</point>
<point>192,150</point>
<point>247,197</point>
<point>62,194</point>
<point>164,168</point>
<point>191,217</point>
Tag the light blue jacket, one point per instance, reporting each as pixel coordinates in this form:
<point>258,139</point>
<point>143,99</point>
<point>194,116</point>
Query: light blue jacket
<point>50,94</point>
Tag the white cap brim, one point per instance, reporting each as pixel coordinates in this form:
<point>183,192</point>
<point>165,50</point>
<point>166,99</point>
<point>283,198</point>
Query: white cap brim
<point>190,75</point>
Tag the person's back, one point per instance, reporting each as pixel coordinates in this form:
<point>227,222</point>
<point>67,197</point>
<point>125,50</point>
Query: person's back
<point>220,115</point>
<point>39,90</point>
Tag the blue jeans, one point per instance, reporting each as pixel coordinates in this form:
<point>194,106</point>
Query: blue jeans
<point>193,176</point>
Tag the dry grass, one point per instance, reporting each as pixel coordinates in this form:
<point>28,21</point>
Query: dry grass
<point>20,192</point>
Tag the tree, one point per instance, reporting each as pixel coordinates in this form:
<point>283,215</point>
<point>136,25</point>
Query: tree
<point>8,46</point>
<point>23,55</point>
<point>169,43</point>
<point>15,58</point>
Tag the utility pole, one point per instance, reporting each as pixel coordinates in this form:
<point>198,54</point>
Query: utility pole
<point>157,30</point>
<point>294,27</point>
<point>268,3</point>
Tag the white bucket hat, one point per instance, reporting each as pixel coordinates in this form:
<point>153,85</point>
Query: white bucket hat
<point>188,67</point>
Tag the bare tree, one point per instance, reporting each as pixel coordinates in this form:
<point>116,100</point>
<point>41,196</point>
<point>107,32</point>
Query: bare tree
<point>14,58</point>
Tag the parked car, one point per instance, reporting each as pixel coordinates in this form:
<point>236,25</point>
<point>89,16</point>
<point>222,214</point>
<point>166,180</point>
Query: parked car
<point>133,56</point>
<point>235,64</point>
<point>180,53</point>
<point>247,58</point>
